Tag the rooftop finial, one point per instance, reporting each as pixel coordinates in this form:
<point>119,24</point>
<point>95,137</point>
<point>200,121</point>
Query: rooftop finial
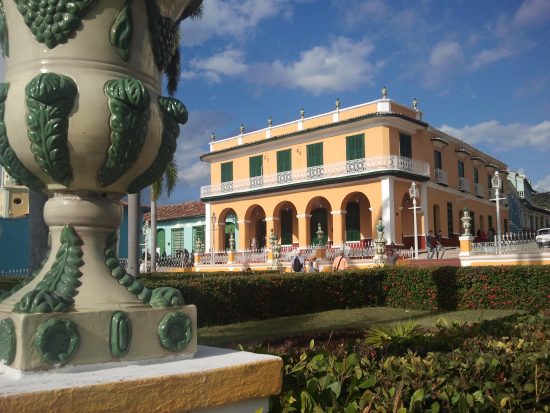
<point>213,137</point>
<point>242,128</point>
<point>270,122</point>
<point>384,92</point>
<point>337,104</point>
<point>415,104</point>
<point>302,113</point>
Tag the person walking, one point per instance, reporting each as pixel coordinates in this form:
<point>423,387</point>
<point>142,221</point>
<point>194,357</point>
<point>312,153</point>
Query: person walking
<point>429,249</point>
<point>340,263</point>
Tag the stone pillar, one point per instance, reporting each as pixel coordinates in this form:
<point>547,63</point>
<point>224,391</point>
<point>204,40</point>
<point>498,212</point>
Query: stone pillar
<point>338,237</point>
<point>230,257</point>
<point>388,209</point>
<point>243,232</point>
<point>303,228</point>
<point>465,244</point>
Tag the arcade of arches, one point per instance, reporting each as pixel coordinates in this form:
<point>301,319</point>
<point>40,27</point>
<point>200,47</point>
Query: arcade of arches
<point>344,214</point>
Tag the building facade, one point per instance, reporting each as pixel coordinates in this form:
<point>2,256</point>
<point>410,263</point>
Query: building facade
<point>14,198</point>
<point>527,209</point>
<point>178,227</point>
<point>341,171</point>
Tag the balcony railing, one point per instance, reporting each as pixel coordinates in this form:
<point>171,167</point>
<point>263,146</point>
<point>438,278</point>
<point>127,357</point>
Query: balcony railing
<point>354,167</point>
<point>463,184</point>
<point>479,190</point>
<point>441,177</point>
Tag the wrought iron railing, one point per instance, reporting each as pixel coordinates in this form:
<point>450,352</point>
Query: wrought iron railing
<point>316,173</point>
<point>441,177</point>
<point>463,184</point>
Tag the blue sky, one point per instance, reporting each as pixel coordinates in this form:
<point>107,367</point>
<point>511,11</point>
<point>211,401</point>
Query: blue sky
<point>479,69</point>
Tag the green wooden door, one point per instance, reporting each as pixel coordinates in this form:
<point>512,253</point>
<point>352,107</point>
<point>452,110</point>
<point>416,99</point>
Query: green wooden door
<point>161,241</point>
<point>286,227</point>
<point>353,223</point>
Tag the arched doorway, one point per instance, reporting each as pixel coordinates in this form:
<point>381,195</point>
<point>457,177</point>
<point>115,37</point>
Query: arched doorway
<point>255,235</point>
<point>319,209</point>
<point>227,225</point>
<point>357,220</point>
<point>286,223</point>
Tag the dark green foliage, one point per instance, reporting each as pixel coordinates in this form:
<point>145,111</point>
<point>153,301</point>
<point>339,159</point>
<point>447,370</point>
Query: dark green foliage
<point>234,297</point>
<point>500,365</point>
<point>4,38</point>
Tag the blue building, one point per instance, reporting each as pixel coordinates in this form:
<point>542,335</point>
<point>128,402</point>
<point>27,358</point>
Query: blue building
<point>178,227</point>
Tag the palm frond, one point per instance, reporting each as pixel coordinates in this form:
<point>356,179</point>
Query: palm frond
<point>173,70</point>
<point>193,10</point>
<point>156,189</point>
<point>171,176</point>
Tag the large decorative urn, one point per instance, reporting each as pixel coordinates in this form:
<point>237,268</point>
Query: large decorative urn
<point>82,118</point>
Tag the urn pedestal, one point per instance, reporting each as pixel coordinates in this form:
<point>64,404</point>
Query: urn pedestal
<point>83,120</point>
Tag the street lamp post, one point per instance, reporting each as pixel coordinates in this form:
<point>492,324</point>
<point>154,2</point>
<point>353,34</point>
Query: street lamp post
<point>414,193</point>
<point>146,230</point>
<point>212,223</point>
<point>496,183</point>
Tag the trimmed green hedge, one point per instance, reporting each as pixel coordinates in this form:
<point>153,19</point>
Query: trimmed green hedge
<point>224,298</point>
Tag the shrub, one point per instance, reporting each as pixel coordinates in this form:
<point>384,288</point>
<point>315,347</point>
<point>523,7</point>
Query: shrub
<point>482,373</point>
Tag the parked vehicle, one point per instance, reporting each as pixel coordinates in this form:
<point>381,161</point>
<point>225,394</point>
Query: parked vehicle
<point>543,237</point>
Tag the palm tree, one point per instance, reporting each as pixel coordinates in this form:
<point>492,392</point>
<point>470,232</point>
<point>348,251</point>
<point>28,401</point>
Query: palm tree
<point>167,181</point>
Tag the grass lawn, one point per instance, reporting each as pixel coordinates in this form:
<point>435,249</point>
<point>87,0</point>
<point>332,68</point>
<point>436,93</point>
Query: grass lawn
<point>357,319</point>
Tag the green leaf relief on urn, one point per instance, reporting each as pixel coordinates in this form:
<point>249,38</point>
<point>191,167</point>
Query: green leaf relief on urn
<point>53,22</point>
<point>128,101</point>
<point>4,38</point>
<point>57,340</point>
<point>56,291</point>
<point>8,158</point>
<point>50,98</point>
<point>174,114</point>
<point>122,30</point>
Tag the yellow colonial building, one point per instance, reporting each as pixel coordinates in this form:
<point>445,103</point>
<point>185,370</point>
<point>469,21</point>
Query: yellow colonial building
<point>343,170</point>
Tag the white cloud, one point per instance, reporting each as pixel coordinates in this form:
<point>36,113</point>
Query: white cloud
<point>235,19</point>
<point>512,135</point>
<point>488,56</point>
<point>543,185</point>
<point>530,15</point>
<point>342,65</point>
<point>228,63</point>
<point>192,143</point>
<point>446,57</point>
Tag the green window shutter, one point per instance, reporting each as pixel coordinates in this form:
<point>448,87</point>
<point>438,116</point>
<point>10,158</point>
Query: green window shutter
<point>355,147</point>
<point>284,161</point>
<point>177,240</point>
<point>461,169</point>
<point>227,172</point>
<point>315,154</point>
<point>437,160</point>
<point>405,145</point>
<point>256,165</point>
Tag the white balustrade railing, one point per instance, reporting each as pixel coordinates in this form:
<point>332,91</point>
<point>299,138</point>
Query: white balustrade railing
<point>522,242</point>
<point>441,177</point>
<point>463,184</point>
<point>479,190</point>
<point>251,256</point>
<point>315,173</point>
<point>218,257</point>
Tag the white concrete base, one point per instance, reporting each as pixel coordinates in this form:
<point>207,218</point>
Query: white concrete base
<point>216,380</point>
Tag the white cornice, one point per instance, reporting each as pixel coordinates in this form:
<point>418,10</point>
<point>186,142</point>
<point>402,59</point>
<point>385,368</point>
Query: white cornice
<point>314,135</point>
